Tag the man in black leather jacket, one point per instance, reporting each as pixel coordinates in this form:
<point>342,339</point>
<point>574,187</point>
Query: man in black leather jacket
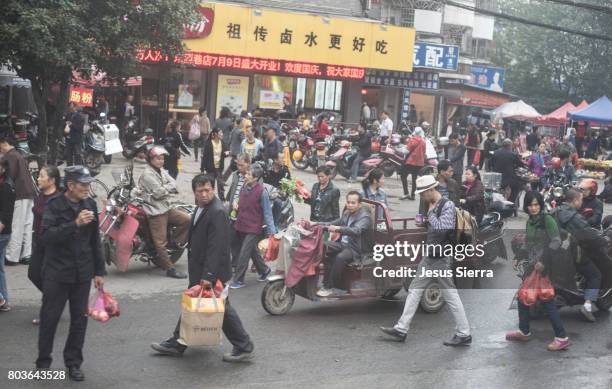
<point>592,207</point>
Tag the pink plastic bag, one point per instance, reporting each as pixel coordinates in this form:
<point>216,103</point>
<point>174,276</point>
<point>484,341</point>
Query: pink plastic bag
<point>102,306</point>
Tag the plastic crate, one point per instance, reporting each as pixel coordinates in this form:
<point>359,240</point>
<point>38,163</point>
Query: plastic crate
<point>491,180</point>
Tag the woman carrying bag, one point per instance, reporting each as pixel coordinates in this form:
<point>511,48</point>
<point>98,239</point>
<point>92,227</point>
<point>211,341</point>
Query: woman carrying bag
<point>541,240</point>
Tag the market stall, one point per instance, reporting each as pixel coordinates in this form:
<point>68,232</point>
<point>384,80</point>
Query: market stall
<point>516,110</point>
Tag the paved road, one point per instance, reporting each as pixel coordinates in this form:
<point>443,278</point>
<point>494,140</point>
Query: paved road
<point>331,345</point>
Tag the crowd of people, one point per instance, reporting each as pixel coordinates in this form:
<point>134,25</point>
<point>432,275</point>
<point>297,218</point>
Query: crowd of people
<point>56,232</point>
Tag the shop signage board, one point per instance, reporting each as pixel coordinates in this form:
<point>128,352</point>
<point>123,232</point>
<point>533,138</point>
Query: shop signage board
<point>83,97</point>
<point>420,80</point>
<point>299,37</point>
<point>436,56</point>
<point>487,77</point>
<point>232,92</point>
<point>260,65</point>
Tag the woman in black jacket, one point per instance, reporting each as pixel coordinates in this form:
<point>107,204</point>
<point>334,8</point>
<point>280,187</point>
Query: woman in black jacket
<point>173,142</point>
<point>213,159</point>
<point>325,199</point>
<point>472,198</point>
<point>7,204</point>
<point>489,148</point>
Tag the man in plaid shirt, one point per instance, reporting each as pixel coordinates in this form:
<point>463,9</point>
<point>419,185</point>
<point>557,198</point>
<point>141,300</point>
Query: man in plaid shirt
<point>441,221</point>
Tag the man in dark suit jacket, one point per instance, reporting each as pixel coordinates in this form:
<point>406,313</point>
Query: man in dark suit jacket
<point>209,261</point>
<point>352,225</point>
<point>504,162</point>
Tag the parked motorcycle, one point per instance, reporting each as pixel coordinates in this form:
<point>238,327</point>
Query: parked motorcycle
<point>94,145</point>
<point>124,226</point>
<point>342,161</point>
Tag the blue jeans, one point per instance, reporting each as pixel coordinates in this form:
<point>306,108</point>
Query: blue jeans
<point>551,311</point>
<point>355,166</point>
<point>593,279</point>
<point>4,239</point>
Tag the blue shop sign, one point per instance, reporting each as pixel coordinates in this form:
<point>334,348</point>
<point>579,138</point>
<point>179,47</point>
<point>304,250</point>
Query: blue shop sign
<point>436,56</point>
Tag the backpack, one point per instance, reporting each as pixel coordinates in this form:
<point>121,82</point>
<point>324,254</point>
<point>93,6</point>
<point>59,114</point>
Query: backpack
<point>466,226</point>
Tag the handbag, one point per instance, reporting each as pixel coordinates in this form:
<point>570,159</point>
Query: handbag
<point>194,130</point>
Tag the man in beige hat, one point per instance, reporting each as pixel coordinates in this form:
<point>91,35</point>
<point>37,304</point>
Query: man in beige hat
<point>440,221</point>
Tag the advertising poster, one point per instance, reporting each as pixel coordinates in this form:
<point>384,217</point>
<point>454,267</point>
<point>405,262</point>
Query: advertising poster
<point>486,77</point>
<point>271,100</point>
<point>233,93</point>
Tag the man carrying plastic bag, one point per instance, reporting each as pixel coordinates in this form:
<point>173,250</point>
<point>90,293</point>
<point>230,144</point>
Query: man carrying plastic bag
<point>208,261</point>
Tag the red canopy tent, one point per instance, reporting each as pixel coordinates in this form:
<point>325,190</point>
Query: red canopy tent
<point>558,116</point>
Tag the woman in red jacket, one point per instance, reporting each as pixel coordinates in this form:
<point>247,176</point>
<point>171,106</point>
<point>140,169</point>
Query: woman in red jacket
<point>322,129</point>
<point>414,162</point>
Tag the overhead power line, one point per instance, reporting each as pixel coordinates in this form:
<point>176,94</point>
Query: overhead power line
<point>577,4</point>
<point>528,22</point>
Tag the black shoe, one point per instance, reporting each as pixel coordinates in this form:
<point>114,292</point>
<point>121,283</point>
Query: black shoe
<point>394,333</point>
<point>238,355</point>
<point>169,347</point>
<point>457,340</point>
<point>75,374</point>
<point>173,273</point>
<point>10,263</point>
<point>24,261</point>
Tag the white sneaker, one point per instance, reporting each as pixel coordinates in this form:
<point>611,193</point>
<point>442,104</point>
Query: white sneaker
<point>324,292</point>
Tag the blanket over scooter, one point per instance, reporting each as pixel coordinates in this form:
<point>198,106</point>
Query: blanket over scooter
<point>307,255</point>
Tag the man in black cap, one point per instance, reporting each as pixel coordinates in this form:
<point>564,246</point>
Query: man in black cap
<point>73,257</point>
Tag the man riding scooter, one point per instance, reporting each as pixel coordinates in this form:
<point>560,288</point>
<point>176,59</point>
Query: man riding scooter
<point>351,225</point>
<point>158,188</point>
<point>590,241</point>
<point>592,207</point>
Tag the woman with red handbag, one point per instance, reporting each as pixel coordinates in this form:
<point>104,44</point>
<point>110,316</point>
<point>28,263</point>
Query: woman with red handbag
<point>542,237</point>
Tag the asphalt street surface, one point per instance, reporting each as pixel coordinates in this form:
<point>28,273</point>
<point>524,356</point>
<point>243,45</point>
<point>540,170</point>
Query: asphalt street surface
<point>317,344</point>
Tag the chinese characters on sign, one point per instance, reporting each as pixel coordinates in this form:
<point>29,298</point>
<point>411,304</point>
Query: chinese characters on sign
<point>203,60</point>
<point>435,56</point>
<point>82,97</point>
<point>421,80</point>
<point>301,37</point>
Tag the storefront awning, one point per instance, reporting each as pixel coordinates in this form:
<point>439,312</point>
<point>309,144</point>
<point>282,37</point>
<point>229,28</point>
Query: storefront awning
<point>9,80</point>
<point>480,99</point>
<point>98,79</point>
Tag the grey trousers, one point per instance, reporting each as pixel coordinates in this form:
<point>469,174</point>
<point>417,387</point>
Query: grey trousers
<point>248,250</point>
<point>449,292</point>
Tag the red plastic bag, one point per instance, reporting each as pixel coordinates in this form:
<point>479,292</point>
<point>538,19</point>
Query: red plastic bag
<point>196,291</point>
<point>476,160</point>
<point>102,306</point>
<point>528,293</point>
<point>272,250</point>
<point>546,290</point>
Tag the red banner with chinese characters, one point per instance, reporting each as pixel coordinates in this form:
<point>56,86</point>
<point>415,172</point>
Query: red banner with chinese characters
<point>82,97</point>
<point>204,60</point>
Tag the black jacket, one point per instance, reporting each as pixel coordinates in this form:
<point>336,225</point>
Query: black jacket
<point>7,204</point>
<point>532,141</point>
<point>597,206</point>
<point>208,253</point>
<point>72,254</point>
<point>272,149</point>
<point>504,162</point>
<point>329,206</point>
<point>208,162</point>
<point>489,147</point>
<point>365,145</point>
<point>573,222</point>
